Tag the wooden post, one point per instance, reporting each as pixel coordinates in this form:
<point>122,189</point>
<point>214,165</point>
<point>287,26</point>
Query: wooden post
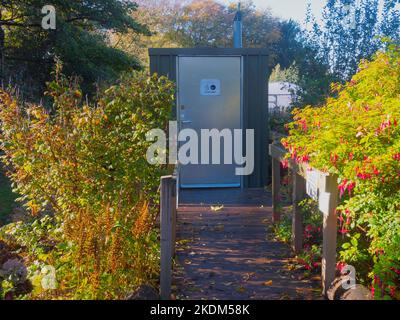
<point>328,201</point>
<point>276,186</point>
<point>168,184</point>
<point>299,189</point>
<point>173,215</point>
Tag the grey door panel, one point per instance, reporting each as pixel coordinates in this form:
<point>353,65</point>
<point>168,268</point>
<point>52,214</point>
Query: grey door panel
<point>209,97</point>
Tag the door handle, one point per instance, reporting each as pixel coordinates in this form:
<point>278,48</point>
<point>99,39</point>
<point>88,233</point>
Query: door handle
<point>186,121</point>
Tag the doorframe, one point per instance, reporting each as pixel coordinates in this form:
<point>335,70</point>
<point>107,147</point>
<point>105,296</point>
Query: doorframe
<point>178,109</point>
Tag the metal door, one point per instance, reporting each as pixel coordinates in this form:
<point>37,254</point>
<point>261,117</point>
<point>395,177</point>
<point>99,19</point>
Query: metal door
<point>209,97</point>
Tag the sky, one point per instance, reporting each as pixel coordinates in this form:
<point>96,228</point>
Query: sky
<point>294,9</point>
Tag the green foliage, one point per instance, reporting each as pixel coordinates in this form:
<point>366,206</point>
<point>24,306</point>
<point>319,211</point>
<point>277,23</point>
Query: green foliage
<point>356,136</point>
<point>80,40</point>
<point>278,120</point>
<point>329,49</point>
<point>390,25</point>
<point>7,198</point>
<point>347,34</point>
<point>301,64</point>
<point>310,259</point>
<point>86,166</point>
<point>159,17</point>
<point>200,24</point>
<point>350,31</point>
<point>209,23</point>
<point>283,229</point>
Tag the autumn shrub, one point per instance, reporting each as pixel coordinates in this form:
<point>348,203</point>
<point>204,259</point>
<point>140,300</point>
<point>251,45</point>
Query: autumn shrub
<point>356,136</point>
<point>84,165</point>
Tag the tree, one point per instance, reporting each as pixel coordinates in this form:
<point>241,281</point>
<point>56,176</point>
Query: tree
<point>202,24</point>
<point>390,26</point>
<point>80,40</point>
<point>185,23</point>
<point>159,16</point>
<point>210,24</point>
<point>331,50</point>
<point>260,28</point>
<point>351,31</point>
<point>299,63</point>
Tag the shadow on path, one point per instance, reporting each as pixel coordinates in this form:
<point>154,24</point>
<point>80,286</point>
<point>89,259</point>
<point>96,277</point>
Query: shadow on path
<point>223,251</point>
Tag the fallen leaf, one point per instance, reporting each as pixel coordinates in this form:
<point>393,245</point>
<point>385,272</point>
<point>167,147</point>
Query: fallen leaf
<point>268,283</point>
<point>183,241</point>
<point>290,267</point>
<point>216,208</point>
<point>241,289</point>
<point>247,276</point>
<point>194,289</point>
<point>285,296</point>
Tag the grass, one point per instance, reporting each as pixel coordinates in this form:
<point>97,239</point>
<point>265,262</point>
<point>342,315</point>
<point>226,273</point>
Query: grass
<point>7,197</point>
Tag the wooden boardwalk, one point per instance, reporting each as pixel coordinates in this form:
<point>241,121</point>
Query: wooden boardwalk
<point>224,252</point>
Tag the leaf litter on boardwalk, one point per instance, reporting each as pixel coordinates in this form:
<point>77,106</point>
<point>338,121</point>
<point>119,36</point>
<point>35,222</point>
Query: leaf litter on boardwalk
<point>241,289</point>
<point>268,283</point>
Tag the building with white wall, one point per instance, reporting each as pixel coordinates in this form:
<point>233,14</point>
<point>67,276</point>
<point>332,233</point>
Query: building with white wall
<point>281,96</point>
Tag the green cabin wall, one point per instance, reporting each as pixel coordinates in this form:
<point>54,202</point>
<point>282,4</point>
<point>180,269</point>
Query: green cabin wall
<point>256,72</point>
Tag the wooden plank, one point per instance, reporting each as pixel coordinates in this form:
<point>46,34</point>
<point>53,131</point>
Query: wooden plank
<point>177,187</point>
<point>312,181</point>
<point>277,152</point>
<point>276,136</point>
<point>299,191</point>
<point>276,187</point>
<point>328,202</point>
<point>166,237</point>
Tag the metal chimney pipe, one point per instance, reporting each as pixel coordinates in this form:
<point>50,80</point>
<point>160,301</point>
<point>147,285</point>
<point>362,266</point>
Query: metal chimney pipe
<point>237,29</point>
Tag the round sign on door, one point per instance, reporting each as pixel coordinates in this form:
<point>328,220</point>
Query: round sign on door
<point>210,87</point>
